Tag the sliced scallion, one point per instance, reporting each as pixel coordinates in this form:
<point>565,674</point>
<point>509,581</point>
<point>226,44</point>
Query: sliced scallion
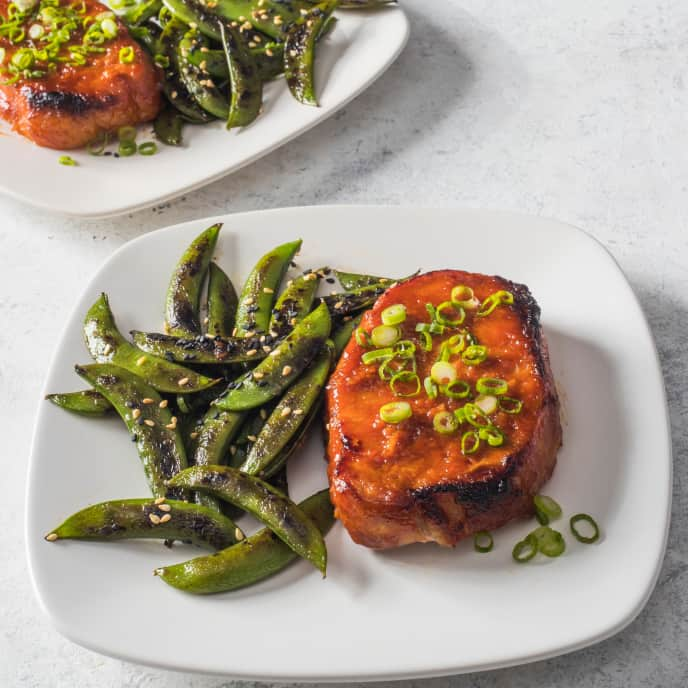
<point>405,384</point>
<point>449,314</point>
<point>581,537</point>
<point>443,372</point>
<point>126,148</point>
<point>431,388</point>
<point>550,542</point>
<point>458,389</point>
<point>127,133</point>
<point>492,385</point>
<point>384,335</point>
<point>377,355</point>
<point>445,423</point>
<point>127,54</point>
<point>474,354</point>
<point>395,412</point>
<point>475,416</point>
<point>486,403</point>
<point>546,509</point>
<point>525,550</point>
<point>483,542</point>
<point>425,341</point>
<point>394,315</point>
<point>67,161</point>
<point>98,146</point>
<point>362,338</point>
<point>492,435</point>
<point>470,442</point>
<point>494,300</point>
<point>148,148</point>
<point>405,348</point>
<point>510,405</point>
<point>396,364</point>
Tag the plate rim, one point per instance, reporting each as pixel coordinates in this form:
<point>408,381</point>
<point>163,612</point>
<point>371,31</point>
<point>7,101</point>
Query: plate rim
<point>119,210</point>
<point>609,628</point>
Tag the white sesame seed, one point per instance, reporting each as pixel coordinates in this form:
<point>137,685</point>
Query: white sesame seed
<point>267,349</point>
<point>205,320</point>
<point>108,349</point>
<point>51,537</point>
<point>160,500</point>
<point>183,381</point>
<point>267,290</point>
<point>298,412</point>
<point>238,534</point>
<point>311,276</point>
<point>135,413</point>
<point>193,435</point>
<point>150,423</point>
<point>285,412</point>
<point>258,375</point>
<point>251,438</point>
<point>163,403</point>
<point>286,370</point>
<point>339,304</point>
<point>252,352</point>
<point>148,400</point>
<point>272,333</point>
<point>154,519</point>
<point>251,44</point>
<point>140,361</point>
<point>234,332</point>
<point>294,53</point>
<point>165,518</point>
<point>165,507</point>
<point>269,53</point>
<point>276,352</point>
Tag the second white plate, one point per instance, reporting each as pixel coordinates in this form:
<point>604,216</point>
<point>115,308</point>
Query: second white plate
<point>416,611</point>
<point>362,46</point>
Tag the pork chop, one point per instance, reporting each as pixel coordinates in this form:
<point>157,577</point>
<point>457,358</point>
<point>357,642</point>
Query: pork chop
<point>401,482</point>
<point>63,87</point>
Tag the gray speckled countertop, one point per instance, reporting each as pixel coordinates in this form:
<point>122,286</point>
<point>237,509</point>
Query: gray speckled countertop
<point>573,110</point>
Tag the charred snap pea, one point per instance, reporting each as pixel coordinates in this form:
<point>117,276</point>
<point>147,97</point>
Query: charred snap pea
<point>299,51</point>
<point>184,292</point>
<point>150,423</point>
<point>127,519</point>
<point>284,364</point>
<point>266,503</point>
<point>289,415</point>
<point>201,349</point>
<point>355,301</point>
<point>142,12</point>
<point>353,280</point>
<point>250,429</point>
<point>252,560</point>
<point>107,345</point>
<point>258,293</point>
<point>168,127</point>
<point>294,303</point>
<point>87,402</point>
<point>246,95</point>
<point>222,302</point>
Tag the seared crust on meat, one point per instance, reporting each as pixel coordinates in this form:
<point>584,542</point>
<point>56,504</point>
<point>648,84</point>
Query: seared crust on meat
<point>76,104</point>
<point>392,485</point>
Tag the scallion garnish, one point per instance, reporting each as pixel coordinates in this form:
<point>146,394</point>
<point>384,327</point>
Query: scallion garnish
<point>385,335</point>
<point>525,550</point>
<point>425,341</point>
<point>394,315</point>
<point>148,148</point>
<point>475,416</point>
<point>470,442</point>
<point>126,148</point>
<point>362,338</point>
<point>431,388</point>
<point>127,133</point>
<point>486,403</point>
<point>474,354</point>
<point>449,314</point>
<point>98,146</point>
<point>581,537</point>
<point>377,355</point>
<point>492,435</point>
<point>549,541</point>
<point>546,509</point>
<point>127,55</point>
<point>494,300</point>
<point>445,423</point>
<point>510,405</point>
<point>405,383</point>
<point>483,542</point>
<point>67,161</point>
<point>395,412</point>
<point>443,373</point>
<point>396,364</point>
<point>492,385</point>
<point>458,389</point>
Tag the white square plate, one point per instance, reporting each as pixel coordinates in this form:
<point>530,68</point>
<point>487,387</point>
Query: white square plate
<point>416,611</point>
<point>361,47</point>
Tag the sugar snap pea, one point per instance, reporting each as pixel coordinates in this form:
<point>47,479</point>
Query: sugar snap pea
<point>265,502</point>
<point>284,364</point>
<point>168,127</point>
<point>258,293</point>
<point>250,429</point>
<point>125,519</point>
<point>184,292</point>
<point>246,92</point>
<point>249,561</point>
<point>354,301</point>
<point>289,415</point>
<point>149,421</point>
<point>299,51</point>
<point>140,13</point>
<point>202,349</point>
<point>354,280</point>
<point>86,402</point>
<point>294,303</point>
<point>222,302</point>
<point>107,345</point>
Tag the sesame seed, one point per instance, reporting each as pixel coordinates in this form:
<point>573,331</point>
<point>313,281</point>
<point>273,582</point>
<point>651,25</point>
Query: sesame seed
<point>174,94</point>
<point>258,375</point>
<point>278,20</point>
<point>276,352</point>
<point>165,518</point>
<point>165,507</point>
<point>257,39</point>
<point>205,320</point>
<point>252,352</point>
<point>242,19</point>
<point>154,519</point>
<point>172,425</point>
<point>298,412</point>
<point>286,370</point>
<point>238,534</point>
<point>135,413</point>
<point>267,290</point>
<point>183,381</point>
<point>290,282</point>
<point>160,500</point>
<point>204,49</point>
<point>304,12</point>
<point>285,412</point>
<point>249,334</point>
<point>163,403</point>
<point>266,349</point>
<point>251,44</point>
<point>292,322</point>
<point>262,338</point>
<point>251,438</point>
<point>269,53</point>
<point>108,349</point>
<point>193,25</point>
<point>235,24</point>
<point>294,53</point>
<point>272,333</point>
<point>148,400</point>
<point>193,435</point>
<point>150,423</point>
<point>234,332</point>
<point>51,537</point>
<point>140,361</point>
<point>311,276</point>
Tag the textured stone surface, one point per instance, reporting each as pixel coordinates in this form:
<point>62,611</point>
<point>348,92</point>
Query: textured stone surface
<point>571,110</point>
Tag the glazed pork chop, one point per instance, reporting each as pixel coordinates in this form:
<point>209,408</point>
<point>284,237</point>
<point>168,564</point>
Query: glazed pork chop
<point>467,446</point>
<point>70,71</point>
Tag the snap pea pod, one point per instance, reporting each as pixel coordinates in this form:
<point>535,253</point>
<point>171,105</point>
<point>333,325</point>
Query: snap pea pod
<point>342,335</point>
<point>201,349</point>
<point>246,92</point>
<point>353,280</point>
<point>141,13</point>
<point>289,415</point>
<point>284,364</point>
<point>87,402</point>
<point>222,302</point>
<point>201,87</point>
<point>249,561</point>
<point>211,444</point>
<point>294,303</point>
<point>168,127</point>
<point>184,292</point>
<point>355,301</point>
<point>258,293</point>
<point>151,426</point>
<point>265,502</point>
<point>127,519</point>
<point>250,429</point>
<point>299,51</point>
<point>107,345</point>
